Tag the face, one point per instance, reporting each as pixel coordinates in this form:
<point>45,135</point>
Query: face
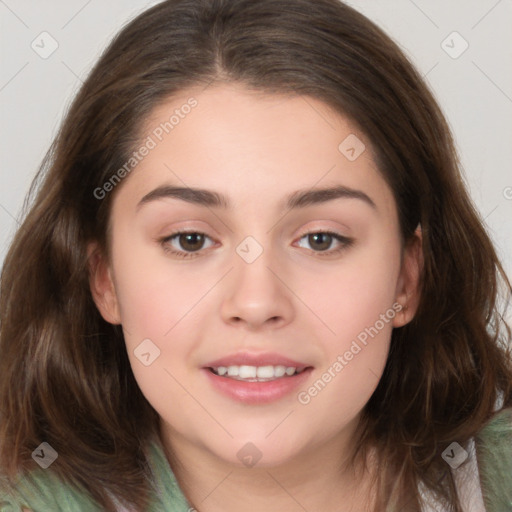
<point>273,277</point>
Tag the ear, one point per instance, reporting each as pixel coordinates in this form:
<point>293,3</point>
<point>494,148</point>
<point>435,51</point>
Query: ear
<point>102,285</point>
<point>408,290</point>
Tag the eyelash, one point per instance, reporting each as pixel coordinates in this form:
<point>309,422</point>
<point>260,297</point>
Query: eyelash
<point>343,240</point>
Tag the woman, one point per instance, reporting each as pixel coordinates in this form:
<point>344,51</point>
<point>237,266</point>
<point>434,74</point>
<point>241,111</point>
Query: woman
<point>251,265</point>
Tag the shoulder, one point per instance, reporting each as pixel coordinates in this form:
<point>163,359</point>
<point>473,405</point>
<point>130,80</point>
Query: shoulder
<point>41,490</point>
<point>168,495</point>
<point>494,454</point>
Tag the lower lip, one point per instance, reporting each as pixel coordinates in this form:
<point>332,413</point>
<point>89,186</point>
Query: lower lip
<point>257,392</point>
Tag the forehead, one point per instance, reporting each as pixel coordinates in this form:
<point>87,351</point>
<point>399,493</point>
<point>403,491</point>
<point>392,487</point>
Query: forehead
<point>254,147</point>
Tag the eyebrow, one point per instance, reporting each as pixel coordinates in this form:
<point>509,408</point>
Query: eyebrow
<point>298,199</point>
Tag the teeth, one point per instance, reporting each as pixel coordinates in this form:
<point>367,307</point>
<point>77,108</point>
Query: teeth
<point>279,371</point>
<point>255,373</point>
<point>247,372</point>
<point>265,372</point>
<point>233,371</point>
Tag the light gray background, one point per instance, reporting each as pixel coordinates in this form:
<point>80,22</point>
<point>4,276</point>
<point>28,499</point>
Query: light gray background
<point>474,89</point>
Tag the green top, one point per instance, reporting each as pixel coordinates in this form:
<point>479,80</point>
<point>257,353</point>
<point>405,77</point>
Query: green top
<point>41,491</point>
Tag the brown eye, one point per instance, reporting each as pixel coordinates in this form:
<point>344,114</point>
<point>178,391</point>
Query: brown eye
<point>320,241</point>
<point>191,241</point>
<point>186,244</point>
<point>326,242</point>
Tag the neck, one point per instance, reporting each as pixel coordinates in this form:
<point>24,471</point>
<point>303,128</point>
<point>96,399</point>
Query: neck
<point>319,478</point>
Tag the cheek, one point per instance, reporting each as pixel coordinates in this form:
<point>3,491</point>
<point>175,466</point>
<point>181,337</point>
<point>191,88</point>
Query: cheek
<point>162,304</point>
<point>354,361</point>
<point>155,295</point>
<point>159,302</point>
<point>355,305</point>
<point>350,295</point>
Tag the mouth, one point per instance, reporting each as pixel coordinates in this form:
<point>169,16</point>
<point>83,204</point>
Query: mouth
<point>256,379</point>
<point>248,373</point>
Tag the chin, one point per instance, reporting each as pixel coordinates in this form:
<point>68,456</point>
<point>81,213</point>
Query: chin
<point>257,451</point>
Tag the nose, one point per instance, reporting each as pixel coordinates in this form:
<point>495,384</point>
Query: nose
<point>257,295</point>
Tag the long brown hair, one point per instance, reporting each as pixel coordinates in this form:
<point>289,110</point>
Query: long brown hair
<point>64,373</point>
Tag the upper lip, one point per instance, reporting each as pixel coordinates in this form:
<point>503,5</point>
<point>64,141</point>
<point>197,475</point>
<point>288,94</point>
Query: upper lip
<point>263,359</point>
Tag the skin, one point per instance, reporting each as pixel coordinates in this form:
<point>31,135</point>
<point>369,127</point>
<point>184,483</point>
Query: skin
<point>293,299</point>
